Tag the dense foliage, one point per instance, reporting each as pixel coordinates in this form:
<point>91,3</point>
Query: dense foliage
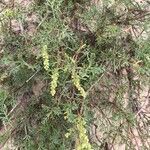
<point>71,74</point>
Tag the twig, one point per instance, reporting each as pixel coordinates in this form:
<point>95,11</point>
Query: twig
<point>93,85</point>
<point>147,99</point>
<point>42,20</point>
<point>27,80</point>
<point>134,139</point>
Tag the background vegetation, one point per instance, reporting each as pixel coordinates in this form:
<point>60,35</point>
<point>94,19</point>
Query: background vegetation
<point>72,74</point>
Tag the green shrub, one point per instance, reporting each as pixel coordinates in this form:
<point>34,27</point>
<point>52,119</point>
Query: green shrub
<point>64,62</point>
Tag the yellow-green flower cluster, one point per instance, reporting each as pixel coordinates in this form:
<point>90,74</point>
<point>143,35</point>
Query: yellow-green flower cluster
<point>83,141</point>
<point>45,57</point>
<point>76,82</point>
<point>55,75</point>
<point>9,13</point>
<point>3,76</point>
